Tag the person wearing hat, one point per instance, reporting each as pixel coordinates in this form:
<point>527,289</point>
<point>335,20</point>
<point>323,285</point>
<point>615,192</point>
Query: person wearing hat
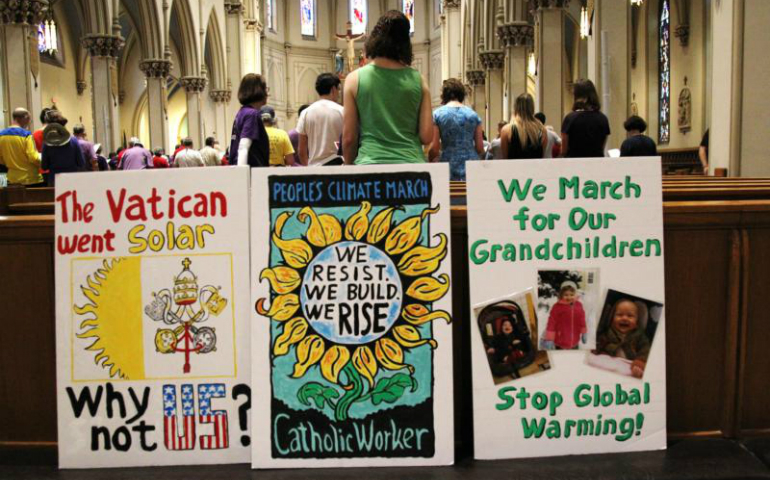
<point>135,157</point>
<point>567,321</point>
<point>281,150</point>
<point>61,151</point>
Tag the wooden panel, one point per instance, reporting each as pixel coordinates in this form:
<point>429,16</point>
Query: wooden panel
<point>461,340</point>
<point>27,356</point>
<point>717,276</point>
<point>697,268</point>
<point>754,399</point>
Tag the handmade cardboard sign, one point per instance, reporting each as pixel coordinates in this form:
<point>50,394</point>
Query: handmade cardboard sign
<point>352,345</point>
<point>152,317</point>
<point>566,281</point>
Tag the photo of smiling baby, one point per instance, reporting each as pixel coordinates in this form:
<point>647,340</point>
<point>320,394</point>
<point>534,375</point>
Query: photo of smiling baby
<point>625,334</point>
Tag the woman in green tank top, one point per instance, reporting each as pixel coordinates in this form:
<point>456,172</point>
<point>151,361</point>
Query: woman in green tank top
<point>387,102</point>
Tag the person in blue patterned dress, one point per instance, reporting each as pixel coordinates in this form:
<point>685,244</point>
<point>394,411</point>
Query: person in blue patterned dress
<point>457,134</point>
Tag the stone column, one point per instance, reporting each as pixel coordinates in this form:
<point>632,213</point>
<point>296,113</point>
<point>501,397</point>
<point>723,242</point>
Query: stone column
<point>221,98</point>
<point>612,25</point>
<point>726,87</point>
<point>451,40</point>
<point>551,81</point>
<point>493,61</point>
<point>235,35</point>
<point>252,45</point>
<point>476,78</point>
<point>104,50</point>
<point>194,86</point>
<point>517,38</point>
<point>21,60</point>
<point>156,72</point>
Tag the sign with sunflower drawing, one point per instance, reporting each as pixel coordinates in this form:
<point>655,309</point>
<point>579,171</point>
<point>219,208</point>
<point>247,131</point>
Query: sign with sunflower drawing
<point>152,308</point>
<point>351,335</point>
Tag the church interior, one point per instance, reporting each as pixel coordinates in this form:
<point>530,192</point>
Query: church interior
<point>163,70</point>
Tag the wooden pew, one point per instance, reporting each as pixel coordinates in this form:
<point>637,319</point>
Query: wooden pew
<point>18,200</point>
<point>718,327</point>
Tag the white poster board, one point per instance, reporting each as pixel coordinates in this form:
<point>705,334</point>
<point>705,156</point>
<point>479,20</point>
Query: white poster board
<point>152,317</point>
<point>568,326</point>
<point>352,346</point>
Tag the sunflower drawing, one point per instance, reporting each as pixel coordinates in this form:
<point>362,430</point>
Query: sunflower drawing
<point>349,299</point>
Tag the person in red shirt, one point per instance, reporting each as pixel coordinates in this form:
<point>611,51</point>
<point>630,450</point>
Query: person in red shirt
<point>38,134</point>
<point>159,159</point>
<point>567,321</point>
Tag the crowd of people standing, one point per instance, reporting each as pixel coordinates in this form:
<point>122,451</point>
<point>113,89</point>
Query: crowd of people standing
<point>386,118</point>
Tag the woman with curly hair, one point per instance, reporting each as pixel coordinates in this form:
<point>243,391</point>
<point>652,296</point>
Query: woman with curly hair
<point>457,135</point>
<point>387,117</point>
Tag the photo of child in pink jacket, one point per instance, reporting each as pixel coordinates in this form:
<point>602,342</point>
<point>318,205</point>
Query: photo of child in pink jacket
<point>566,325</point>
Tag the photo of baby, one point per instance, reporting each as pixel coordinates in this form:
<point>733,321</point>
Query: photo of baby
<point>624,337</point>
<point>507,328</point>
<point>568,300</point>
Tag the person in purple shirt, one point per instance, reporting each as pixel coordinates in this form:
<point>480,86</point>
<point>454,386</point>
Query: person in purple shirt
<point>294,136</point>
<point>136,157</point>
<point>89,155</point>
<point>249,144</point>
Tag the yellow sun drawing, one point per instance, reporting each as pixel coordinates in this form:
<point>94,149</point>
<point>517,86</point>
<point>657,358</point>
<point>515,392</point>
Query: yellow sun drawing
<point>113,317</point>
<point>342,359</point>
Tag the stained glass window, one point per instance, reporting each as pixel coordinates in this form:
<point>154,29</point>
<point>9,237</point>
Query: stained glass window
<point>47,38</point>
<point>664,80</point>
<point>358,14</point>
<point>270,15</point>
<point>307,10</point>
<point>407,6</point>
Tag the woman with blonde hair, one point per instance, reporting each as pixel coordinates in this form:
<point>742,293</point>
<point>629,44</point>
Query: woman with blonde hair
<point>525,136</point>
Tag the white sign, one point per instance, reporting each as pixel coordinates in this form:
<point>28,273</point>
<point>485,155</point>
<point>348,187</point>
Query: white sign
<point>352,344</point>
<point>152,317</point>
<point>566,283</point>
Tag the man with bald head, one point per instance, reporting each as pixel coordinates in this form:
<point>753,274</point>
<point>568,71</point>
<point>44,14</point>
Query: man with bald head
<point>18,152</point>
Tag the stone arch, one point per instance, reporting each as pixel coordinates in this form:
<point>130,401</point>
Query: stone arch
<point>145,19</point>
<point>214,54</point>
<point>182,31</point>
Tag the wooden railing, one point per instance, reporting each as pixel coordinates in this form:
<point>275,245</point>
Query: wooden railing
<point>717,279</point>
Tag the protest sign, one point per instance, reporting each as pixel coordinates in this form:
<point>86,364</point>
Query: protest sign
<point>152,317</point>
<point>352,345</point>
<point>566,274</point>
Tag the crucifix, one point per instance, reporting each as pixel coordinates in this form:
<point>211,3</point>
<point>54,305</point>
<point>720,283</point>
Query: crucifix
<point>351,49</point>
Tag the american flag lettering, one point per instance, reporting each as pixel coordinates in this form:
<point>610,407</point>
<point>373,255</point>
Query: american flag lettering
<point>220,438</point>
<point>171,421</point>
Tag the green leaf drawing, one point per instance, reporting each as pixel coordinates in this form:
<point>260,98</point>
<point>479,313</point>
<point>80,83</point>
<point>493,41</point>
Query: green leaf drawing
<point>318,393</point>
<point>390,389</point>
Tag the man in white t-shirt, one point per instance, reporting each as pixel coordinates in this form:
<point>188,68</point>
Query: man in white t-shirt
<point>320,125</point>
<point>187,157</point>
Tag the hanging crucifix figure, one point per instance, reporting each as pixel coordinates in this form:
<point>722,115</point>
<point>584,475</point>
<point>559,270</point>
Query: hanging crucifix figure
<point>351,49</point>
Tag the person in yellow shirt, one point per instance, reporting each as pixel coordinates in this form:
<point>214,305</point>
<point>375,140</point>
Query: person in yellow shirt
<point>18,152</point>
<point>281,151</point>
